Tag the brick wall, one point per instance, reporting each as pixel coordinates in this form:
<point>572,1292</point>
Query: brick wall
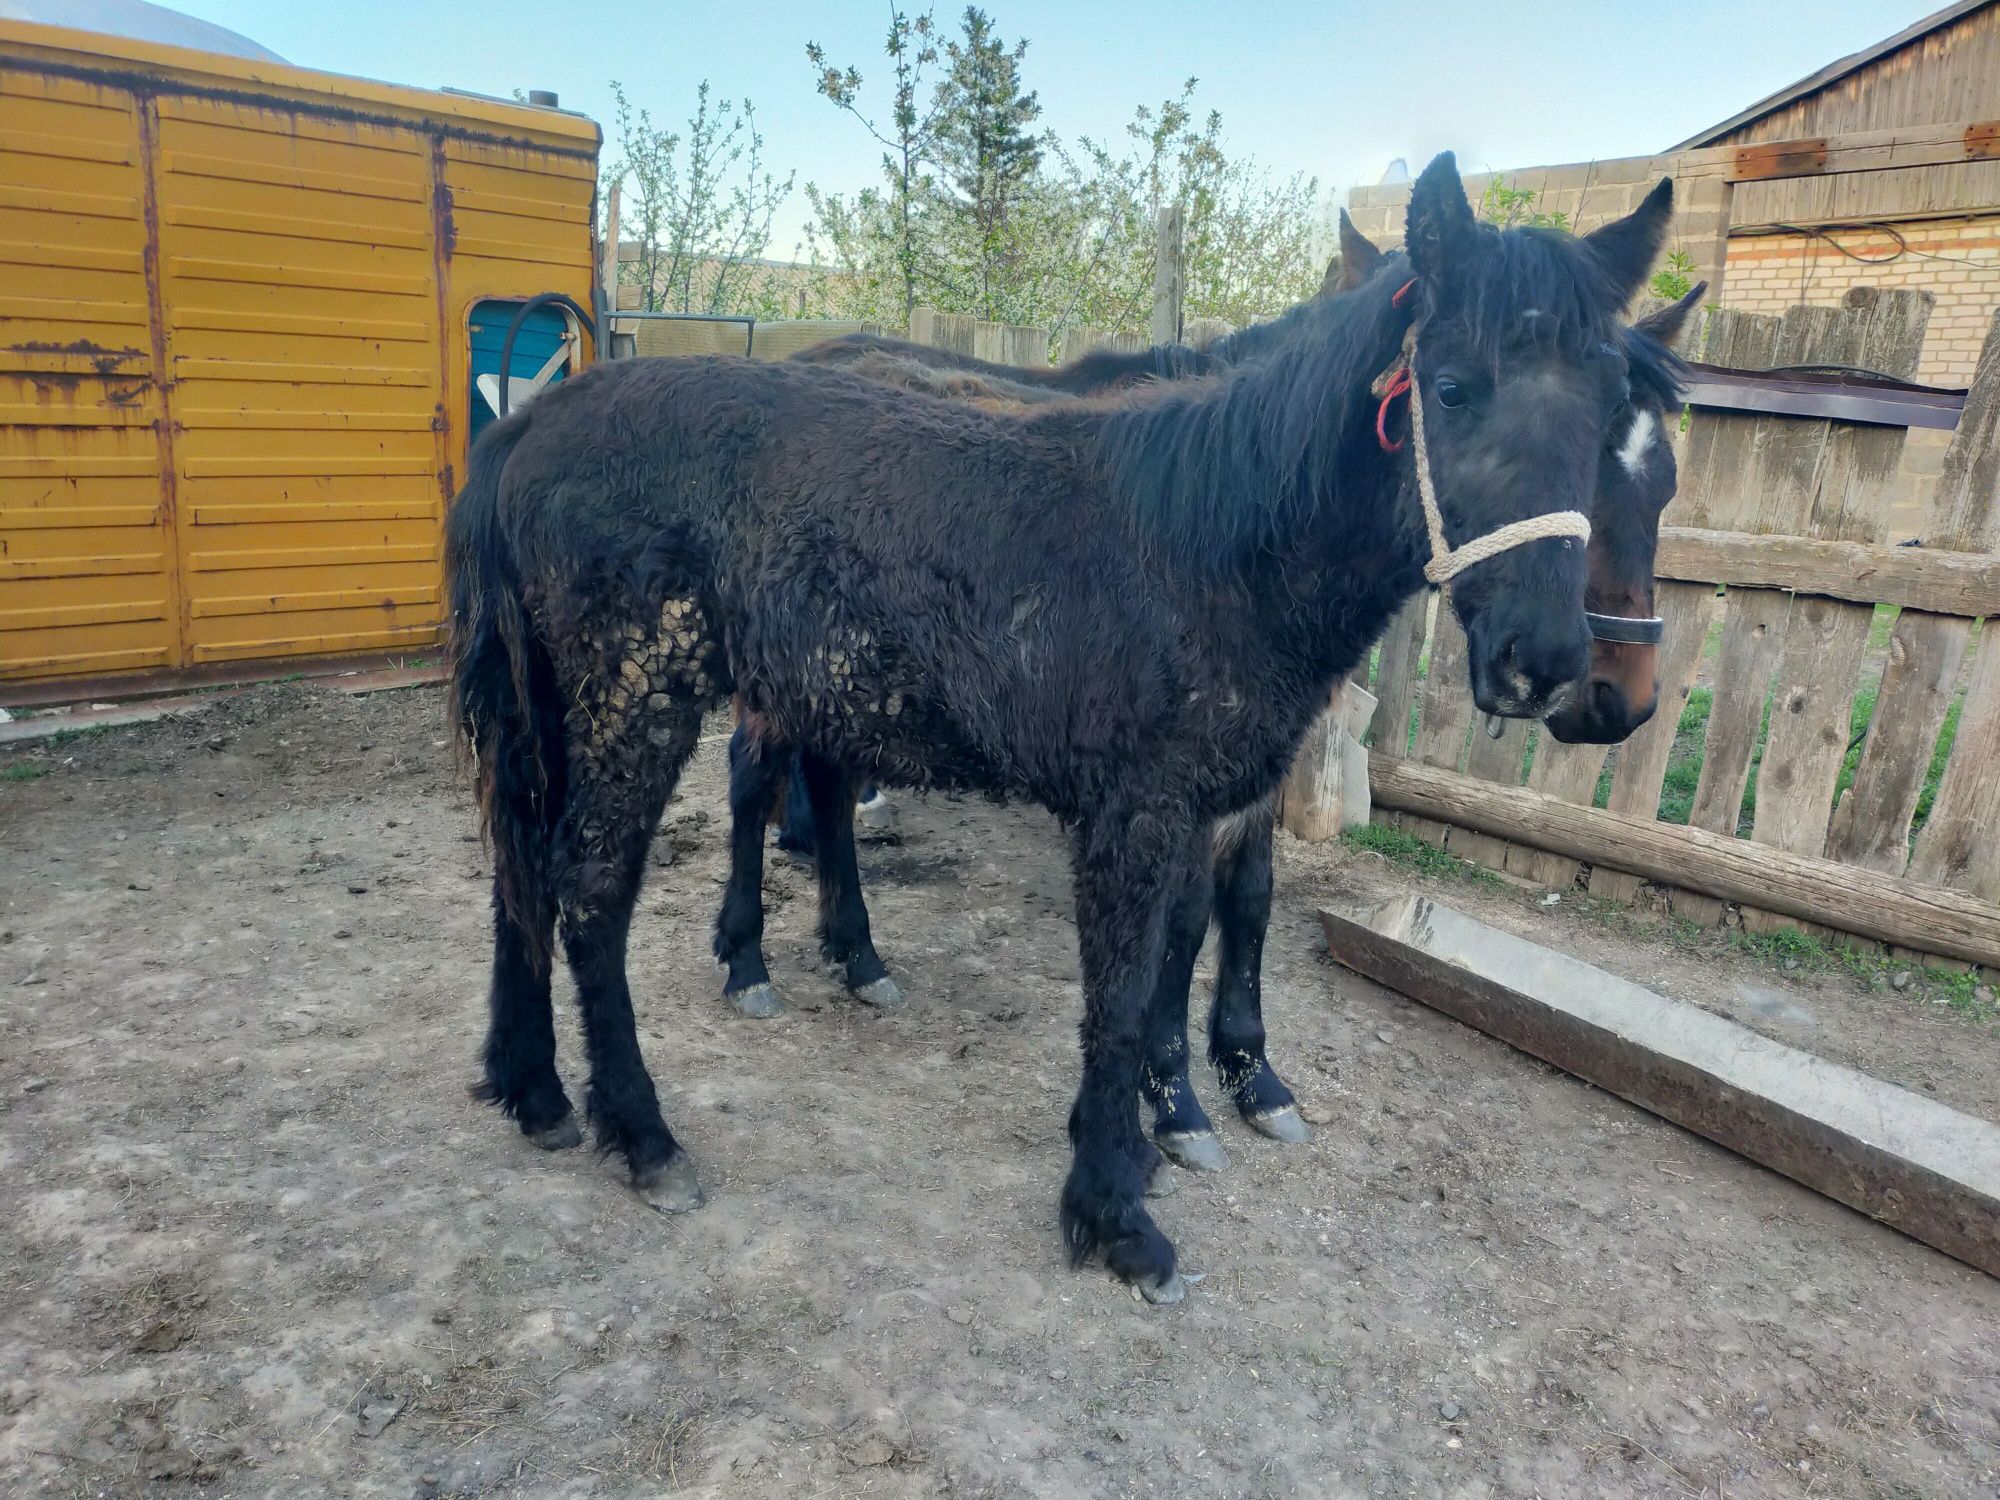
<point>1956,260</point>
<point>1587,194</point>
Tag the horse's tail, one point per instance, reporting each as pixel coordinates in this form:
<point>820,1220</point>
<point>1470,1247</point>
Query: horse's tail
<point>503,690</point>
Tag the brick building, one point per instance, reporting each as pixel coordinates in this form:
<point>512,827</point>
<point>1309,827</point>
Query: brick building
<point>1936,226</point>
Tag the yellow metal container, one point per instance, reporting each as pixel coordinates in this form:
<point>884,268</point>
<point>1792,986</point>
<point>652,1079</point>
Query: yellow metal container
<point>234,351</point>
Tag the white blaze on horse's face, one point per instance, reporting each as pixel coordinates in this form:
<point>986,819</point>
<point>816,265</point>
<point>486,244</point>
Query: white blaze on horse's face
<point>1637,446</point>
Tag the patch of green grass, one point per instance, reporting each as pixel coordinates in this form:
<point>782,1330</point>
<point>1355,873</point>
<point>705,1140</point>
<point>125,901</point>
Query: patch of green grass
<point>1797,952</point>
<point>1881,627</point>
<point>1934,773</point>
<point>80,736</point>
<point>1684,763</point>
<point>24,770</point>
<point>1415,854</point>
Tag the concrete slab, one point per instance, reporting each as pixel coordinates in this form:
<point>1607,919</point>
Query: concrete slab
<point>1899,1157</point>
<point>44,726</point>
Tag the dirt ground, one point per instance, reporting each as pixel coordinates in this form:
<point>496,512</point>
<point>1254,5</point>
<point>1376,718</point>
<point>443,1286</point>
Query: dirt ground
<point>256,1240</point>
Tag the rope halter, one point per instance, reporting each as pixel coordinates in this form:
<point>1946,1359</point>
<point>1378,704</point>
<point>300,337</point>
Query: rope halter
<point>1447,562</point>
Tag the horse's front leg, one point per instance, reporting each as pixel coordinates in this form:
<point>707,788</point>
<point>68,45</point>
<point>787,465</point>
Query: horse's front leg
<point>1128,866</point>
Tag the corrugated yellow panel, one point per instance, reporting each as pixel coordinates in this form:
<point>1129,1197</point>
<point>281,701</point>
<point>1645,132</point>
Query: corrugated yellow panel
<point>87,579</point>
<point>233,344</point>
<point>306,360</point>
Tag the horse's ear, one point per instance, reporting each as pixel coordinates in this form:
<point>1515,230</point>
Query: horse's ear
<point>1441,222</point>
<point>1626,248</point>
<point>1665,325</point>
<point>1355,263</point>
<point>1331,284</point>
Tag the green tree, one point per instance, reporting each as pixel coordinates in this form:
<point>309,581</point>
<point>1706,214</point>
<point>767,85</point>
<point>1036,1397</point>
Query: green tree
<point>988,156</point>
<point>1253,244</point>
<point>700,205</point>
<point>855,227</point>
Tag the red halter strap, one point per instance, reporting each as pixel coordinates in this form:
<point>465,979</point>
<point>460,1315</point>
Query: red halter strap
<point>1395,382</point>
<point>1399,385</point>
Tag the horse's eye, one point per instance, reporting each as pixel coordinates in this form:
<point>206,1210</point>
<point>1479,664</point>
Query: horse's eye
<point>1450,392</point>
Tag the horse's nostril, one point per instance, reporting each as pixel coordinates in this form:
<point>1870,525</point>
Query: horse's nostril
<point>1610,702</point>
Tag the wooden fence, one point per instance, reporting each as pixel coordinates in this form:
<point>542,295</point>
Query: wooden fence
<point>1772,565</point>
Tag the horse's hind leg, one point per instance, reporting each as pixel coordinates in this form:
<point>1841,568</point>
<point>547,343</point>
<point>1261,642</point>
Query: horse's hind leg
<point>796,834</point>
<point>843,915</point>
<point>1181,1128</point>
<point>758,769</point>
<point>624,762</point>
<point>519,1063</point>
<point>1236,1018</point>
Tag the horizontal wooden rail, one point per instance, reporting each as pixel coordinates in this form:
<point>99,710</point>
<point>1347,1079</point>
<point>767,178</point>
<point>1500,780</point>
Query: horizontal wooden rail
<point>1854,151</point>
<point>1944,583</point>
<point>1929,918</point>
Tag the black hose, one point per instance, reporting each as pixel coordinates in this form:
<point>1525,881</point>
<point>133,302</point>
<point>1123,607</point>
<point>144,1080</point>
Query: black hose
<point>540,299</point>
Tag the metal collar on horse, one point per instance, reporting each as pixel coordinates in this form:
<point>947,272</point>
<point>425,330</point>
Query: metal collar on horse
<point>1446,561</point>
<point>1629,630</point>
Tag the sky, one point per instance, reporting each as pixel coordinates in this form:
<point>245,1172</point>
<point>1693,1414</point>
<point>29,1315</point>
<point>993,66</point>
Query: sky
<point>1335,90</point>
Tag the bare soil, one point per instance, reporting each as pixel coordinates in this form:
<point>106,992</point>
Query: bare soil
<point>256,1240</point>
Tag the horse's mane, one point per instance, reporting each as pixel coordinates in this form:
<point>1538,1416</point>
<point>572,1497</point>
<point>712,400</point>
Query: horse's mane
<point>1219,469</point>
<point>1657,373</point>
<point>1545,271</point>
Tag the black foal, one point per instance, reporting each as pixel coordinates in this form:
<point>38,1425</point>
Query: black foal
<point>1070,606</point>
<point>1636,480</point>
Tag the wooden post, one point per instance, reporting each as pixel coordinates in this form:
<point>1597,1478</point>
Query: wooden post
<point>1327,789</point>
<point>610,270</point>
<point>1169,275</point>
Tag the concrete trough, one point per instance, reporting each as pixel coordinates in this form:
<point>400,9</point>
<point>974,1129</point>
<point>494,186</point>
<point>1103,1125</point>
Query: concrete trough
<point>1899,1157</point>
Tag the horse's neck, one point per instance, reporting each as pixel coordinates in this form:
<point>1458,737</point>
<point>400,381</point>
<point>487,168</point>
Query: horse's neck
<point>1307,614</point>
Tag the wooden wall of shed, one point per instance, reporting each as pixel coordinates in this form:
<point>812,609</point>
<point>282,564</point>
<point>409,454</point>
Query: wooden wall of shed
<point>1950,75</point>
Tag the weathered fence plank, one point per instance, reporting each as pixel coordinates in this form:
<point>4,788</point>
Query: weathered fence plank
<point>1960,845</point>
<point>1954,582</point>
<point>1641,774</point>
<point>1813,700</point>
<point>1447,706</point>
<point>1724,867</point>
<point>1957,844</point>
<point>1169,273</point>
<point>1396,676</point>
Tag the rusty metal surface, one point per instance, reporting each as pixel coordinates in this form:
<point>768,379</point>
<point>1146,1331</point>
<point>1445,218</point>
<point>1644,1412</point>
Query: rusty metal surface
<point>1798,158</point>
<point>1841,396</point>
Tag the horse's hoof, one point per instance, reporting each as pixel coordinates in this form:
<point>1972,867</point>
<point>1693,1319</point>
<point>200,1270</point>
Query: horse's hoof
<point>1281,1124</point>
<point>671,1188</point>
<point>1165,1292</point>
<point>1198,1151</point>
<point>877,816</point>
<point>1161,1181</point>
<point>759,1002</point>
<point>560,1136</point>
<point>883,994</point>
